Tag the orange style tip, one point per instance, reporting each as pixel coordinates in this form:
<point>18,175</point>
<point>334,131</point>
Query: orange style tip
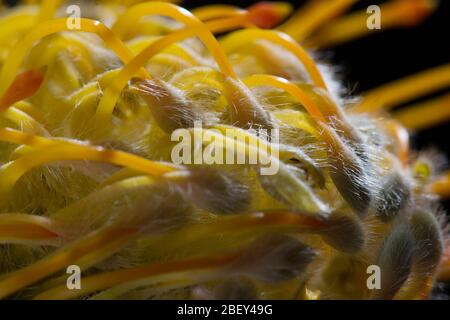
<point>415,11</point>
<point>35,76</point>
<point>25,85</point>
<point>267,15</point>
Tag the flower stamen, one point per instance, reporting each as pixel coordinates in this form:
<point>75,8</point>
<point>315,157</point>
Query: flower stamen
<point>400,91</point>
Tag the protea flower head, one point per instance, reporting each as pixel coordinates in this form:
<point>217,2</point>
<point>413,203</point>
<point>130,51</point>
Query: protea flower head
<point>90,177</point>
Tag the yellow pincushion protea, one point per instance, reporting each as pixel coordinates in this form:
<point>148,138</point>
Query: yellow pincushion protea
<point>88,108</point>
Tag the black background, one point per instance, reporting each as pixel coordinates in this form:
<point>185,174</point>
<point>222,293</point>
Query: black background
<point>167,309</point>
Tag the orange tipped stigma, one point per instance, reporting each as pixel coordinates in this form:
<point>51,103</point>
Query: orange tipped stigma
<point>25,85</point>
<point>312,16</point>
<point>425,114</point>
<point>267,15</point>
<point>263,14</point>
<point>398,13</point>
<point>441,186</point>
<point>408,13</point>
<point>404,90</point>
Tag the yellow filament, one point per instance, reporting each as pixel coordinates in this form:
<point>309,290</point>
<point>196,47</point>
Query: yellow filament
<point>12,171</point>
<point>90,245</point>
<point>216,11</point>
<point>323,129</point>
<point>244,135</point>
<point>8,29</point>
<point>400,91</point>
<point>120,175</point>
<point>216,26</point>
<point>441,186</point>
<point>295,118</point>
<point>48,9</point>
<point>18,137</point>
<point>176,50</point>
<point>19,16</point>
<point>160,8</point>
<point>283,84</point>
<point>426,114</point>
<point>239,38</point>
<point>109,279</point>
<point>313,16</point>
<point>112,92</point>
<point>227,24</point>
<point>180,14</point>
<point>16,56</point>
<point>64,150</point>
<point>153,8</point>
<point>394,14</point>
